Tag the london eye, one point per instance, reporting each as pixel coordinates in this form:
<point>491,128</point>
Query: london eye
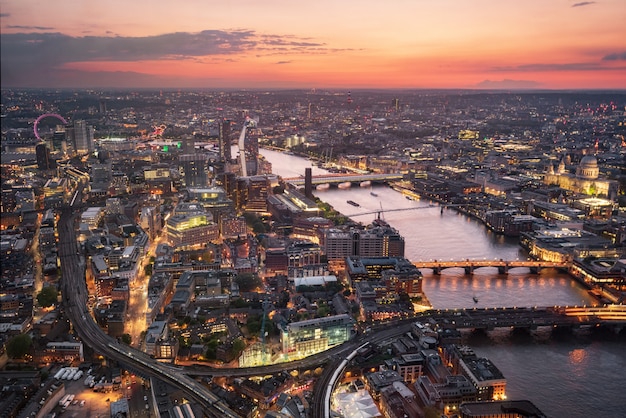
<point>46,115</point>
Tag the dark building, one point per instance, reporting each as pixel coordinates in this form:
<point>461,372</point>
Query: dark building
<point>194,167</point>
<point>308,183</point>
<point>224,140</point>
<point>43,157</point>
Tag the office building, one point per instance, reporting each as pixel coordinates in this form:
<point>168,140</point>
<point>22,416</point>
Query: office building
<point>233,226</point>
<point>194,169</point>
<point>80,135</point>
<point>304,338</point>
<point>397,273</point>
<point>375,241</point>
<point>42,154</point>
<point>224,140</point>
<point>191,229</point>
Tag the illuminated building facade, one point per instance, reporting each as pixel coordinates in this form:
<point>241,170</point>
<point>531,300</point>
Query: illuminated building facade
<point>166,350</point>
<point>56,191</point>
<point>92,216</point>
<point>258,190</point>
<point>233,226</point>
<point>585,181</point>
<point>213,199</point>
<point>311,228</point>
<point>605,271</point>
<point>60,351</point>
<point>397,273</point>
<point>486,378</point>
<point>376,241</point>
<point>558,245</point>
<point>312,336</point>
<point>191,229</point>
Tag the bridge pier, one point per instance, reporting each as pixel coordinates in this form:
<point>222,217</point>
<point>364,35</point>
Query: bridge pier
<point>535,270</point>
<point>469,270</point>
<point>437,270</point>
<point>502,270</point>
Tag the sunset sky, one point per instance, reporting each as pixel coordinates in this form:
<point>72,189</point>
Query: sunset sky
<point>508,44</point>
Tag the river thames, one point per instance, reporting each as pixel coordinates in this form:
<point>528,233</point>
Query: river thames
<point>577,375</point>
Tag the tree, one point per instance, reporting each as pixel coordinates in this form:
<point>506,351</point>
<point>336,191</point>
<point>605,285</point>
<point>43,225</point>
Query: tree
<point>239,303</point>
<point>47,297</point>
<point>431,412</point>
<point>127,339</point>
<point>238,346</point>
<point>323,311</point>
<point>247,282</point>
<point>18,346</point>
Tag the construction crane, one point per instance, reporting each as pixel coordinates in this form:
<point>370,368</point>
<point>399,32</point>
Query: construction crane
<point>263,333</point>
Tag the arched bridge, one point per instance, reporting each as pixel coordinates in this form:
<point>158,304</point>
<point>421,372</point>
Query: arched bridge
<point>503,265</point>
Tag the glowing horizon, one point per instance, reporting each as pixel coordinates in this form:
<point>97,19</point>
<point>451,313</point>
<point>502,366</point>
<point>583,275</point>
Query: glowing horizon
<point>450,44</point>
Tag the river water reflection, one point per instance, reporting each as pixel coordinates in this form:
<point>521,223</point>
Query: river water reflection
<point>580,375</point>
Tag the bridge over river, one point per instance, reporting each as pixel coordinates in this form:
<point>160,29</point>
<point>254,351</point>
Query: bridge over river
<point>342,178</point>
<point>528,318</point>
<point>503,266</point>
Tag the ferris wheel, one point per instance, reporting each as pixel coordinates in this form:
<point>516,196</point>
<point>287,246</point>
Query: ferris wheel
<point>46,115</point>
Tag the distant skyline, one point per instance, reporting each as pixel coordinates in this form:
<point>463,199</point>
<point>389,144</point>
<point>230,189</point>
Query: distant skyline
<point>273,44</point>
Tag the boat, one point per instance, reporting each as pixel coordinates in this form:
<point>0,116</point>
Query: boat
<point>475,299</point>
<point>374,194</point>
<point>353,203</point>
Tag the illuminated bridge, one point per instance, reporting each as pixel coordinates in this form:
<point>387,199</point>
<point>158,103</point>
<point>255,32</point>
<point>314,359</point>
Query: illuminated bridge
<point>503,265</point>
<point>342,178</point>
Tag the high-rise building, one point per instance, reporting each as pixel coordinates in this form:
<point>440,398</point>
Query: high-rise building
<point>103,106</point>
<point>249,148</point>
<point>191,229</point>
<point>81,137</point>
<point>58,143</point>
<point>194,167</point>
<point>224,140</point>
<point>378,241</point>
<point>258,191</point>
<point>43,156</point>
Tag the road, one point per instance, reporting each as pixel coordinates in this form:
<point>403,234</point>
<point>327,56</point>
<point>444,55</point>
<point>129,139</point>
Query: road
<point>74,293</point>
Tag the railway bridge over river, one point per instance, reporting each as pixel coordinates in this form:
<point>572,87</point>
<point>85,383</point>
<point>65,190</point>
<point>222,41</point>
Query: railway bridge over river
<point>528,317</point>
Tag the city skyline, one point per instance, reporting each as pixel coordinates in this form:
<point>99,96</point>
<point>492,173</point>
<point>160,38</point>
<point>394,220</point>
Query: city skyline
<point>562,44</point>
